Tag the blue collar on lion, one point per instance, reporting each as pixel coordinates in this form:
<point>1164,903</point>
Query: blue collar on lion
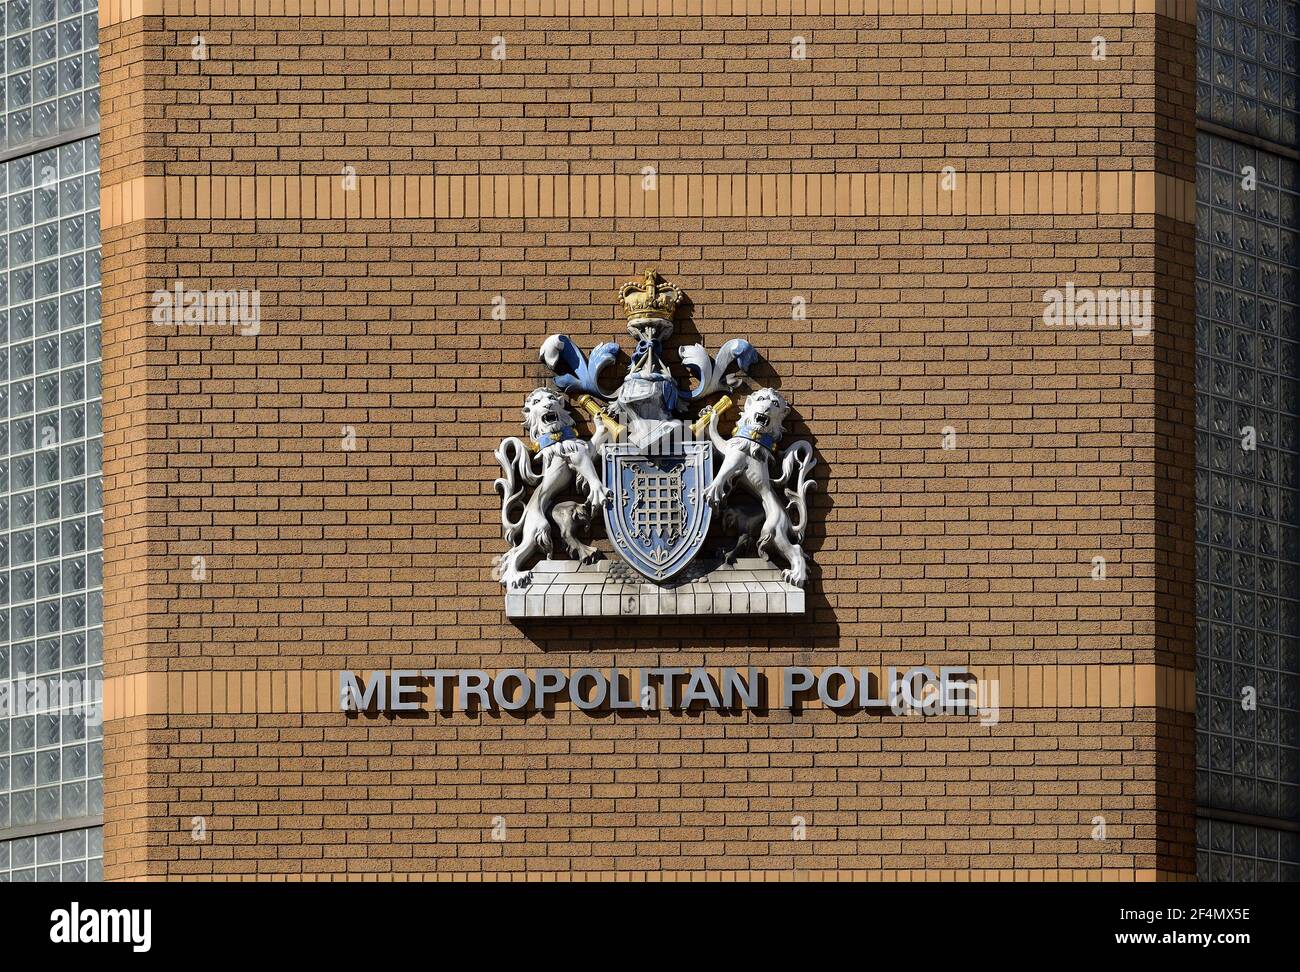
<point>763,438</point>
<point>546,441</point>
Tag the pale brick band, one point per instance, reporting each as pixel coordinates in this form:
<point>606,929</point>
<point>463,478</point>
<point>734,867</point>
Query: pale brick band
<point>117,11</point>
<point>285,692</point>
<point>614,196</point>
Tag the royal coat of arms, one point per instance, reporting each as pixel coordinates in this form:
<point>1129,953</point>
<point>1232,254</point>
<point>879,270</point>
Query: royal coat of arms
<point>657,473</point>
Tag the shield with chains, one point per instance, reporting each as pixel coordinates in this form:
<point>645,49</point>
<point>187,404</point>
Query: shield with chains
<point>658,519</point>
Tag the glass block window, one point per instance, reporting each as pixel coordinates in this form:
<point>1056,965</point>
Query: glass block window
<point>1241,852</point>
<point>75,855</point>
<point>1246,66</point>
<point>51,525</point>
<point>49,69</point>
<point>1248,481</point>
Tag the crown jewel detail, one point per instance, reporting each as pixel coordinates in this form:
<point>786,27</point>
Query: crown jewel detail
<point>653,298</point>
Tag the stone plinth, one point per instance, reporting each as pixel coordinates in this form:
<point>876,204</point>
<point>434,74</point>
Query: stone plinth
<point>609,588</point>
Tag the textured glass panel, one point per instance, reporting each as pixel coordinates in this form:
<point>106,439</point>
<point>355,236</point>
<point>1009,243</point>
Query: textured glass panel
<point>1246,66</point>
<point>1241,852</point>
<point>49,70</point>
<point>1247,512</point>
<point>51,537</point>
<point>75,855</point>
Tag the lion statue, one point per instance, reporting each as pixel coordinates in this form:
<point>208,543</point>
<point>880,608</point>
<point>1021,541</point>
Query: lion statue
<point>745,461</point>
<point>565,461</point>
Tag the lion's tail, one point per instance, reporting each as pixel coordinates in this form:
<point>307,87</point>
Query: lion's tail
<point>796,478</point>
<point>517,476</point>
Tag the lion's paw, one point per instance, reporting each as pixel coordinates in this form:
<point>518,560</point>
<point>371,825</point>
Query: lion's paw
<point>796,574</point>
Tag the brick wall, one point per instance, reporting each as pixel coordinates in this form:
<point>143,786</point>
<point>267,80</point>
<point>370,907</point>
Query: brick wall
<point>778,178</point>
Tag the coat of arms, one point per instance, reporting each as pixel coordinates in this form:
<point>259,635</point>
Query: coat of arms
<point>659,473</point>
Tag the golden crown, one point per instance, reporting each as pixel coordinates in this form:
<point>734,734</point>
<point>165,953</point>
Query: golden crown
<point>653,298</point>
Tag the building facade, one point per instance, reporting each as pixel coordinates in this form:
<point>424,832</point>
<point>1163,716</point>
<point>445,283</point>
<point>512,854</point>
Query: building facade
<point>385,208</point>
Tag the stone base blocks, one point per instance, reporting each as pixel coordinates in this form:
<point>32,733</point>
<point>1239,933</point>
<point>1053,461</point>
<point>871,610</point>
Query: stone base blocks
<point>567,589</point>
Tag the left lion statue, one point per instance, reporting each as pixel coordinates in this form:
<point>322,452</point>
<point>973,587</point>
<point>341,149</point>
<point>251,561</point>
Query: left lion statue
<point>553,462</point>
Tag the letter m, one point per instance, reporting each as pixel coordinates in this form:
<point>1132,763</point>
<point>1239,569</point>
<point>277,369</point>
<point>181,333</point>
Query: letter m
<point>222,308</point>
<point>353,699</point>
<point>116,925</point>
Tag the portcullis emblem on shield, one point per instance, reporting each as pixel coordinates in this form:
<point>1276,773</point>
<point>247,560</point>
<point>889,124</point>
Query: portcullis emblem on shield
<point>658,518</point>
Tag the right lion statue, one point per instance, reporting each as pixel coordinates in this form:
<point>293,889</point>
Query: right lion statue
<point>746,458</point>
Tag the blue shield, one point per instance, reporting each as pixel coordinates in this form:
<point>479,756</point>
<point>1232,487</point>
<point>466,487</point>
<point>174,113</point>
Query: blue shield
<point>658,519</point>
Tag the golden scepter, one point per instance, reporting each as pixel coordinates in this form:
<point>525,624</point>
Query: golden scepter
<point>706,416</point>
<point>597,412</point>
